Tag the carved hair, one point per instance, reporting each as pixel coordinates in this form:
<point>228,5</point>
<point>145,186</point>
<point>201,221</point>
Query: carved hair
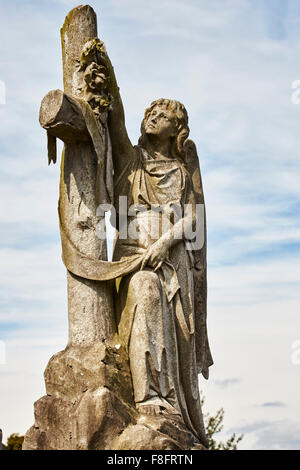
<point>177,145</point>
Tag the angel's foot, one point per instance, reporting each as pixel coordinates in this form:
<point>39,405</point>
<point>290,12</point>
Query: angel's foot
<point>156,406</point>
<point>153,410</point>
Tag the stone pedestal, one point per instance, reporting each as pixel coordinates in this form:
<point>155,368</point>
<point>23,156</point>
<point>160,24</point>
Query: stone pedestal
<point>89,406</point>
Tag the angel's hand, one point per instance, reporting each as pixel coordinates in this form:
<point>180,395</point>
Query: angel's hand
<point>155,255</point>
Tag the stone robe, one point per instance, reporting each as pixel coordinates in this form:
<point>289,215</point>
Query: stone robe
<point>174,345</point>
<point>155,310</point>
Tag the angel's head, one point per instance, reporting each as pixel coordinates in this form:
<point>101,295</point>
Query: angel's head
<point>166,120</point>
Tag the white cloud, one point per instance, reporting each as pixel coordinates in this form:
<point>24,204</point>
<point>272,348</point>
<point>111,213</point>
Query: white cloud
<point>274,435</point>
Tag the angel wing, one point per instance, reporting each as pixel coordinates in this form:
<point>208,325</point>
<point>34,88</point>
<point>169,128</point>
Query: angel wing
<point>203,354</point>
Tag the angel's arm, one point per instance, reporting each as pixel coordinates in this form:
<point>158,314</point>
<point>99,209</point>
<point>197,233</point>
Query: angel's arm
<point>122,149</point>
<point>158,251</point>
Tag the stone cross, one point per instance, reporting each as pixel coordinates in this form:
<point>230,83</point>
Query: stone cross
<point>89,302</point>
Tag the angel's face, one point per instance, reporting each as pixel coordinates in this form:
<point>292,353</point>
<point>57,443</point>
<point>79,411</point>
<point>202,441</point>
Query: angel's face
<point>161,122</point>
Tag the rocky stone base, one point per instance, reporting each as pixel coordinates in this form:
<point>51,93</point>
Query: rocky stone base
<point>89,405</point>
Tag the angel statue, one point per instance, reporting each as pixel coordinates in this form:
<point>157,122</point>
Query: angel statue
<point>161,307</point>
<point>137,324</point>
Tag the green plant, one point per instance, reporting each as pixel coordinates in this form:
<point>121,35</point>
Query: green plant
<point>14,442</point>
<point>213,425</point>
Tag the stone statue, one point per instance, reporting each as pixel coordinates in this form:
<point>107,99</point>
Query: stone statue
<point>128,378</point>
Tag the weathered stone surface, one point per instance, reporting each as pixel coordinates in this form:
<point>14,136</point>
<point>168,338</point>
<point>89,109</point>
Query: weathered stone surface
<point>128,378</point>
<point>78,369</point>
<point>140,437</point>
<point>89,400</point>
<point>80,25</point>
<point>156,432</point>
<point>61,116</point>
<point>88,423</point>
<point>90,303</point>
<point>89,405</point>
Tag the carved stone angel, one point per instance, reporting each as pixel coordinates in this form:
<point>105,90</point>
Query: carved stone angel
<point>145,308</point>
<point>161,308</point>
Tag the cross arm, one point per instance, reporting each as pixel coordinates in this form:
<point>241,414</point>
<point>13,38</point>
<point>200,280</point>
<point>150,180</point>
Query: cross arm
<point>61,116</point>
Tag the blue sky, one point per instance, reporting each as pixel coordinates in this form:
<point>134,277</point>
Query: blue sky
<point>232,64</point>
